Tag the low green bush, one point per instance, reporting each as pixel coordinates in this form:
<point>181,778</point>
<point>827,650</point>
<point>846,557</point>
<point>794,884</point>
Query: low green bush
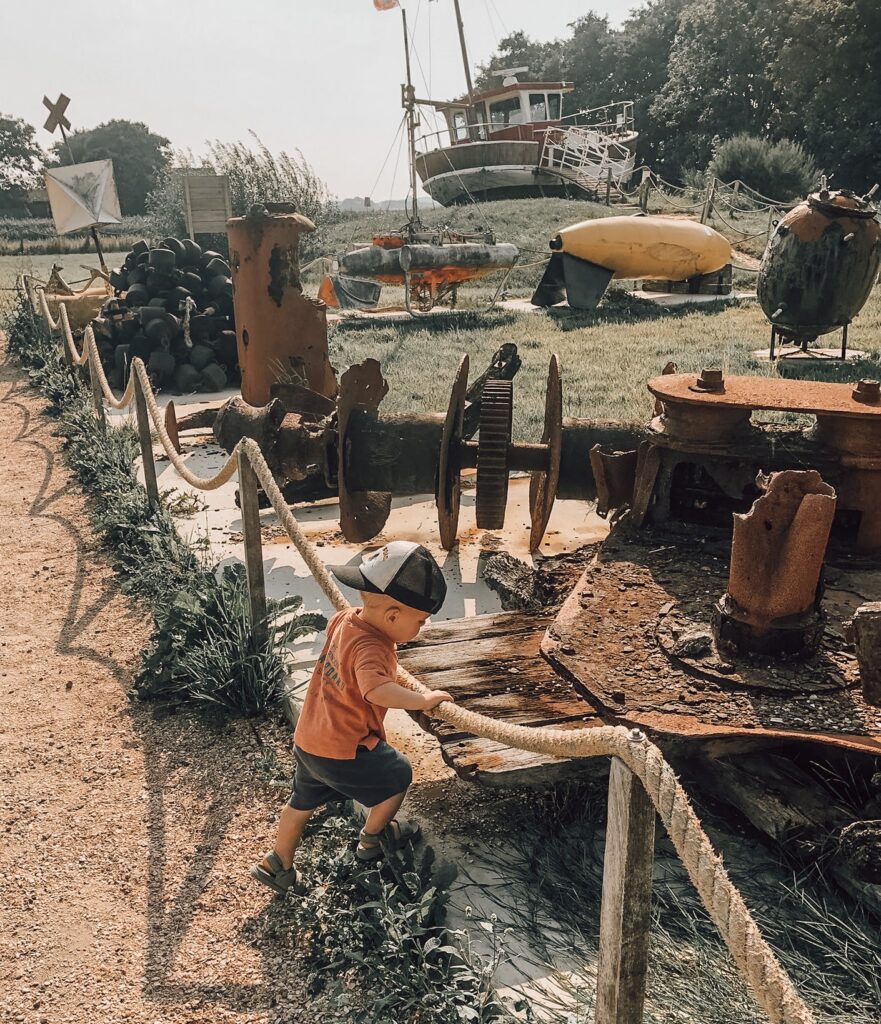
<point>203,648</point>
<point>782,170</point>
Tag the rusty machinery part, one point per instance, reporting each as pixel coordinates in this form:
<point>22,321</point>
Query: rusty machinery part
<point>493,441</point>
<point>448,488</point>
<point>543,482</point>
<point>362,513</point>
<point>820,265</point>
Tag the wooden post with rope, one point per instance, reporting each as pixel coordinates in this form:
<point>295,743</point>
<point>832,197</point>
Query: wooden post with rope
<point>253,548</point>
<point>708,202</point>
<point>143,421</point>
<point>97,396</point>
<point>771,212</point>
<point>625,912</point>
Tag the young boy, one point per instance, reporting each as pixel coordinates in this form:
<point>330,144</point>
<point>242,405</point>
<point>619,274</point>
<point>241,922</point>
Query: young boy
<point>339,740</point>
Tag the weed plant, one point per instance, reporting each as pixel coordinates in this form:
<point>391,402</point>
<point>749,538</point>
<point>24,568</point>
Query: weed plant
<point>373,936</point>
<point>202,649</point>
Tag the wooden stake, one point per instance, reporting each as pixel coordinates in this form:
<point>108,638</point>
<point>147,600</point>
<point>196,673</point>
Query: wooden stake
<point>143,419</point>
<point>625,913</point>
<point>97,394</point>
<point>253,547</point>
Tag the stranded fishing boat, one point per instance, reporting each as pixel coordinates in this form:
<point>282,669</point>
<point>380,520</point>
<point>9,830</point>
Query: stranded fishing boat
<point>514,142</point>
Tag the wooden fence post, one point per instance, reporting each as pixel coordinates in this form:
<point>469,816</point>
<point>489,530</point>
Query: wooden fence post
<point>253,547</point>
<point>771,212</point>
<point>708,202</point>
<point>97,394</point>
<point>609,186</point>
<point>625,913</point>
<point>143,421</point>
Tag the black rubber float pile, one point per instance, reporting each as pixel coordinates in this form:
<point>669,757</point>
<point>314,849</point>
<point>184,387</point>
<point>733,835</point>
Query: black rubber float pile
<point>173,308</point>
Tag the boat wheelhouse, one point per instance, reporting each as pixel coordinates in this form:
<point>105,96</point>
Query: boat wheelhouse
<point>514,141</point>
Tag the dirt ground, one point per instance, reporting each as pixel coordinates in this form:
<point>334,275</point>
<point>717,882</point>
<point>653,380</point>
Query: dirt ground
<point>126,832</point>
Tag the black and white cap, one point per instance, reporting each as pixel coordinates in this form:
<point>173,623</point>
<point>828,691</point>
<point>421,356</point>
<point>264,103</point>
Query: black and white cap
<point>402,570</point>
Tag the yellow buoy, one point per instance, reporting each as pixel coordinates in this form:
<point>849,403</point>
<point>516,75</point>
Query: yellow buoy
<point>652,248</point>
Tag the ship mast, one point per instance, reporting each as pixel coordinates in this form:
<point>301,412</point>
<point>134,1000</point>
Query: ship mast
<point>461,28</point>
<point>408,100</point>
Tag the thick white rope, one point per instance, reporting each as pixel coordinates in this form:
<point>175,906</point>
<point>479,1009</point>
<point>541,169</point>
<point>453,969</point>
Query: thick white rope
<point>758,965</point>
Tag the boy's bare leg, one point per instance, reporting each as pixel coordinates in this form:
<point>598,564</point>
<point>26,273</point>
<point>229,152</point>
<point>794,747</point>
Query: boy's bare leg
<point>290,831</point>
<point>381,814</point>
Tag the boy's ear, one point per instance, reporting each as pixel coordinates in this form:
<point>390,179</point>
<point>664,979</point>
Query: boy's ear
<point>392,613</point>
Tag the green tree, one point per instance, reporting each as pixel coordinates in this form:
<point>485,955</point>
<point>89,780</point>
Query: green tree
<point>719,82</point>
<point>589,62</point>
<point>19,157</point>
<point>138,155</point>
<point>641,53</point>
<point>829,76</point>
<point>519,51</point>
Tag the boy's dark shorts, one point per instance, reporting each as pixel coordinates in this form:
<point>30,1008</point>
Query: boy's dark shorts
<point>369,778</point>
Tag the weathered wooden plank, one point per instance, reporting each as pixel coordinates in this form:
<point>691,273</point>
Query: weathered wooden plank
<point>497,651</point>
<point>492,665</point>
<point>625,911</point>
<point>477,627</point>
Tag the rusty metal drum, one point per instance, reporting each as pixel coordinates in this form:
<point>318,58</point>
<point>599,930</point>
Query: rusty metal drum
<point>820,264</point>
<point>281,334</point>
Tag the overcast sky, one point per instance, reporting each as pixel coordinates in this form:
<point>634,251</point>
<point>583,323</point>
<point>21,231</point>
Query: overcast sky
<point>322,76</point>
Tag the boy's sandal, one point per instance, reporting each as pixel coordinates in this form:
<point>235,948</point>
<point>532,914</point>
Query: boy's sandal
<point>396,835</point>
<point>280,879</point>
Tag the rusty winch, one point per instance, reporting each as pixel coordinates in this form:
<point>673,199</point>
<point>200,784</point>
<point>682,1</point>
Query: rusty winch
<point>698,458</point>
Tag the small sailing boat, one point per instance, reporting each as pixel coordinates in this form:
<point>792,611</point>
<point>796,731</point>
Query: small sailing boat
<point>429,263</point>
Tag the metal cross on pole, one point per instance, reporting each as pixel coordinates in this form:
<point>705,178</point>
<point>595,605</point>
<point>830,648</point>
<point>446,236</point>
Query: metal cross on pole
<point>57,119</point>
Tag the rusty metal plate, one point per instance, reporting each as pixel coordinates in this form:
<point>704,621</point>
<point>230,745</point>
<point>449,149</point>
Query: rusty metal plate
<point>774,393</point>
<point>362,513</point>
<point>615,640</point>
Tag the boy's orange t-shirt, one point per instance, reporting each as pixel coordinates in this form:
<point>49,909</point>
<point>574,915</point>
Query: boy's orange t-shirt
<point>336,718</point>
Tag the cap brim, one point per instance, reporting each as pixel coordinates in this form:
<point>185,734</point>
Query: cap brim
<point>351,576</point>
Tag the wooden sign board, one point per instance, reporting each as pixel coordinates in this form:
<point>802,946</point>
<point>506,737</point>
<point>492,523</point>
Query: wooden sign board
<point>207,203</point>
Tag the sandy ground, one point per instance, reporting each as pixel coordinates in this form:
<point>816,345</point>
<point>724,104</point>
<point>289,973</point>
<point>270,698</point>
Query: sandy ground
<point>127,833</point>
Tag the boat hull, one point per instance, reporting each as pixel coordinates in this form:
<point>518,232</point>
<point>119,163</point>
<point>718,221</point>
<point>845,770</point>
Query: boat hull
<point>503,169</point>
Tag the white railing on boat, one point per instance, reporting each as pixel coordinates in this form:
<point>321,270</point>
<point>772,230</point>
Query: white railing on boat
<point>587,156</point>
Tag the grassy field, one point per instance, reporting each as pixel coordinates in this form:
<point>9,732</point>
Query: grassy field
<point>37,236</point>
<point>606,356</point>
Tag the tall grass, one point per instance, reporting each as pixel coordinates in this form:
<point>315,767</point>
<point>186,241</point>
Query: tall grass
<point>255,176</point>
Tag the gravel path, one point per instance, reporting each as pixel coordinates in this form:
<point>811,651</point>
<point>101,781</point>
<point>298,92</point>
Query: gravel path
<point>126,831</point>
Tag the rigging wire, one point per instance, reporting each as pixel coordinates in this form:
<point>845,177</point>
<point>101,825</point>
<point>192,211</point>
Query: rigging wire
<point>395,139</point>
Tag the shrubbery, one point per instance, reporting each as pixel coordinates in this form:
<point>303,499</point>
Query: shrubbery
<point>255,176</point>
<point>781,170</point>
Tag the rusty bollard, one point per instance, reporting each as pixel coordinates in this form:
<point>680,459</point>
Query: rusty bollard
<point>772,606</point>
<point>865,631</point>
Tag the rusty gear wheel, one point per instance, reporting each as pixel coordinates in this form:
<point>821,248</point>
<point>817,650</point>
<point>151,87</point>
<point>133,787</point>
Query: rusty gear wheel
<point>496,409</point>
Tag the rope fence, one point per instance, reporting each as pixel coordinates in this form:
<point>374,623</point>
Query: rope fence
<point>621,967</point>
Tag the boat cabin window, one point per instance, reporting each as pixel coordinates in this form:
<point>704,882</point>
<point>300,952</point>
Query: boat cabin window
<point>505,112</point>
<point>555,106</point>
<point>459,126</point>
<point>538,108</point>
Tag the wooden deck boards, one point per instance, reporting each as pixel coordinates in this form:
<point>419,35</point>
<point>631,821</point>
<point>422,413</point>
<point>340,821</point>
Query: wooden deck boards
<point>491,664</point>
